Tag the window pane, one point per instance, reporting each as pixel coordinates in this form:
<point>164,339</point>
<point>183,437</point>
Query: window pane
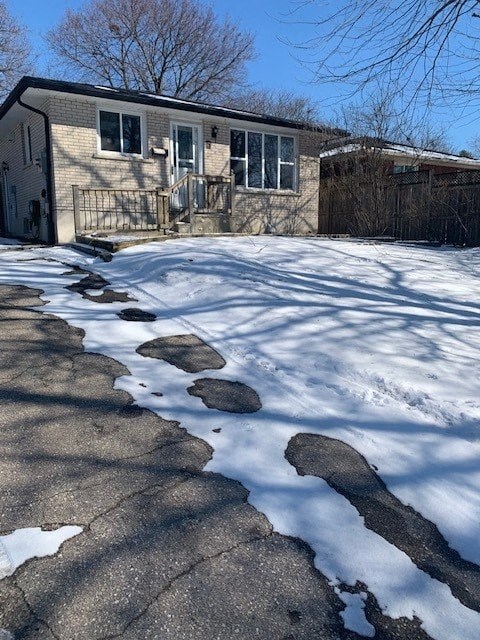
<point>287,150</point>
<point>237,143</point>
<point>185,143</point>
<point>271,162</point>
<point>132,140</point>
<point>286,176</point>
<point>255,160</point>
<point>238,168</point>
<point>110,131</point>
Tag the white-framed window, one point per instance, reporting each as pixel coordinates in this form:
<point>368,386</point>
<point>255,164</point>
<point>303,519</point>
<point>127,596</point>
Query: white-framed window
<point>27,144</point>
<point>120,132</point>
<point>263,160</point>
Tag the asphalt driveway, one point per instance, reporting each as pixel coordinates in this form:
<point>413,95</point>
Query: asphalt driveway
<point>167,551</point>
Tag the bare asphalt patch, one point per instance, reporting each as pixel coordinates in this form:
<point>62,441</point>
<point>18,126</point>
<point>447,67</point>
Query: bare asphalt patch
<point>346,471</point>
<point>93,281</point>
<point>136,315</point>
<point>167,550</point>
<point>187,352</point>
<point>224,395</point>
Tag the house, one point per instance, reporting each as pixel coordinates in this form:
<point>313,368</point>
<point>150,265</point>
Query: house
<point>371,187</point>
<point>78,158</point>
<point>394,158</point>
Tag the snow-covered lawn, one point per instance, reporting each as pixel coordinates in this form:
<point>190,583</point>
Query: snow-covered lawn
<point>375,345</point>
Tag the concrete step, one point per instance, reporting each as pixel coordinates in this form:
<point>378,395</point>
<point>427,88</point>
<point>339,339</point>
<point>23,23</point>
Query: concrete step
<point>183,228</point>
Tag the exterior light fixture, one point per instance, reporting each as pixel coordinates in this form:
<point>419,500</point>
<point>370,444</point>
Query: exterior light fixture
<point>214,132</point>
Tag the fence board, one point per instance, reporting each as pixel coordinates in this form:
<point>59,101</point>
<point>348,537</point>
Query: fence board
<point>418,206</point>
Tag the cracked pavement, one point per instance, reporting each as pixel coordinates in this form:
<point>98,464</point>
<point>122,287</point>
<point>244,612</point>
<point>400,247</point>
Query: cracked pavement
<point>167,550</point>
<point>346,471</point>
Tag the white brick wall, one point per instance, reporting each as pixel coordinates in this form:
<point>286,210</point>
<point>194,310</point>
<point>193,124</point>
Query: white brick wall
<point>77,162</point>
<point>25,181</point>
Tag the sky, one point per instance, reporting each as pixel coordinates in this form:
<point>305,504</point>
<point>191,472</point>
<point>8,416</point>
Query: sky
<point>278,64</point>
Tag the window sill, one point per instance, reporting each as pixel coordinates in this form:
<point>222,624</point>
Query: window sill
<point>273,192</point>
<point>122,157</point>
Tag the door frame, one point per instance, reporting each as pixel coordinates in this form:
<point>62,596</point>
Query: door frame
<point>200,151</point>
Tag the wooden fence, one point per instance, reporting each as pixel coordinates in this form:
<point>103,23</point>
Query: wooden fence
<point>414,206</point>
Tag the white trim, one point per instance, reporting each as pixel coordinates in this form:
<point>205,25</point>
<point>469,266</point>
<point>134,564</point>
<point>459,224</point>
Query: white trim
<point>295,162</point>
<point>200,147</point>
<point>103,153</point>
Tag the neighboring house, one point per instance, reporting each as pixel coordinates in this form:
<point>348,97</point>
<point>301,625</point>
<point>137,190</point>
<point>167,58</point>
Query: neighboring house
<point>398,158</point>
<point>77,158</point>
<point>371,187</point>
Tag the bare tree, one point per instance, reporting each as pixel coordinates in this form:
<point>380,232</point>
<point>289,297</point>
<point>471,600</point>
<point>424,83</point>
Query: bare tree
<point>280,103</point>
<point>380,118</point>
<point>173,47</point>
<point>428,48</point>
<point>358,193</point>
<point>15,58</point>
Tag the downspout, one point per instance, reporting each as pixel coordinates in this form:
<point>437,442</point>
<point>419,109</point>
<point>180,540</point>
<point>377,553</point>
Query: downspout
<point>49,178</point>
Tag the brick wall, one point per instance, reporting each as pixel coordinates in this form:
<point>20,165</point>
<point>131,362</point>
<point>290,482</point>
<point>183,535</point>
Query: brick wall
<point>77,162</point>
<point>261,211</point>
<point>25,180</point>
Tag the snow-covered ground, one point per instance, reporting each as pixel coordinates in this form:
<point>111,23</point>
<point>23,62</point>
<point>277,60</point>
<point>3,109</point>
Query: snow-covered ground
<point>23,544</point>
<point>376,345</point>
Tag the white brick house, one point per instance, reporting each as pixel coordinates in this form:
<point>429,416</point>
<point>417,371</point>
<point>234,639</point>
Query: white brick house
<point>113,149</point>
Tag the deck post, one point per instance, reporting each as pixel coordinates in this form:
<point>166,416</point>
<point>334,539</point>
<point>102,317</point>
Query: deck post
<point>190,195</point>
<point>162,210</point>
<point>232,194</point>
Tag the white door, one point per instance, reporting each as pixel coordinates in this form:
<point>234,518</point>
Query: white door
<point>186,150</point>
<point>187,157</point>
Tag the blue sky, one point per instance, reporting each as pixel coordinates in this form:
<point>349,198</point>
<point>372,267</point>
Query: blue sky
<point>277,65</point>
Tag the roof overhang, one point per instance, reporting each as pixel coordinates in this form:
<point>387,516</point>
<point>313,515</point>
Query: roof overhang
<point>35,91</point>
<point>410,155</point>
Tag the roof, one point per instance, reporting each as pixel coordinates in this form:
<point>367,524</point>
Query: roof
<point>392,149</point>
<point>150,99</point>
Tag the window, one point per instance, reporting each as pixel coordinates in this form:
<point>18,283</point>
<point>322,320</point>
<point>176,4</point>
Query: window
<point>27,144</point>
<point>120,132</point>
<point>405,168</point>
<point>262,160</point>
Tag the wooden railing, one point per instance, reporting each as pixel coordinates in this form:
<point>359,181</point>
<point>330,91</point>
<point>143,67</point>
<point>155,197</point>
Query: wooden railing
<point>197,193</point>
<point>120,209</point>
<point>151,209</point>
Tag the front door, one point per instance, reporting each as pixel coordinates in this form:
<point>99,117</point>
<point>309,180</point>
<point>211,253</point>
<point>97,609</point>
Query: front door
<point>187,157</point>
<point>186,150</point>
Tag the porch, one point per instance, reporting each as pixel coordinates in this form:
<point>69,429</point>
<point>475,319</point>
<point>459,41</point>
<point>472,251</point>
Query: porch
<point>195,205</point>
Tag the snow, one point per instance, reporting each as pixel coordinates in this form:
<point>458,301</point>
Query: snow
<point>9,243</point>
<point>376,345</point>
<point>116,237</point>
<point>354,614</point>
<point>404,150</point>
<point>24,544</point>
